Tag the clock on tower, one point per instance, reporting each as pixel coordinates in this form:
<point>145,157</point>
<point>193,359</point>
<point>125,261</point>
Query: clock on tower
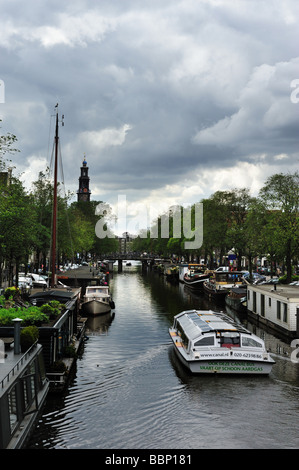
<point>84,191</point>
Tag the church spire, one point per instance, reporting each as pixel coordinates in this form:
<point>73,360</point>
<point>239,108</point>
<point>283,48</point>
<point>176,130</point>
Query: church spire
<point>84,192</point>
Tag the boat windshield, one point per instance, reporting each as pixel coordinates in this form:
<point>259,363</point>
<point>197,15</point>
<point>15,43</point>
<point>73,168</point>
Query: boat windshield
<point>96,290</point>
<point>228,340</point>
<point>229,277</point>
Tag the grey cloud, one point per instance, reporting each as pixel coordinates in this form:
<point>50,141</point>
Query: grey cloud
<point>199,85</point>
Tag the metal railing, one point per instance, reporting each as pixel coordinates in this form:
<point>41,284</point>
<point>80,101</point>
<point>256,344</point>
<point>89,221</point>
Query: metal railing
<point>20,362</point>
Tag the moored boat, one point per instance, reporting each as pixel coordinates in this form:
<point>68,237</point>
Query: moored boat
<point>237,298</point>
<point>220,284</point>
<point>183,268</point>
<point>196,275</point>
<point>172,273</point>
<point>211,342</point>
<point>97,300</point>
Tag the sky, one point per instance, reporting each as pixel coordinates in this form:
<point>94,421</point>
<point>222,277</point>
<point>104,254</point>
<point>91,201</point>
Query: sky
<point>168,100</point>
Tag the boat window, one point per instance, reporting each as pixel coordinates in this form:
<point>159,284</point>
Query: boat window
<point>184,338</point>
<point>247,341</point>
<point>230,340</point>
<point>205,341</point>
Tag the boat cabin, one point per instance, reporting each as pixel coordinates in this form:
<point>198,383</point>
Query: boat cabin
<point>204,329</point>
<point>228,277</point>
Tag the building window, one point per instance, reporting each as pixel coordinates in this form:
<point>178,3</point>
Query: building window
<point>278,310</point>
<point>254,301</point>
<point>262,305</point>
<point>269,302</point>
<point>12,407</point>
<point>285,312</point>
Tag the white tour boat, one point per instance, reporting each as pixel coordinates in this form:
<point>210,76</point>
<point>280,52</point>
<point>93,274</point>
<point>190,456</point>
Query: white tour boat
<point>97,300</point>
<point>211,342</point>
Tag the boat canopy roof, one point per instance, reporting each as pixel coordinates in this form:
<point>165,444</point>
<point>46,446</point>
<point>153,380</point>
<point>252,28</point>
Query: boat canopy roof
<point>95,289</point>
<point>198,322</point>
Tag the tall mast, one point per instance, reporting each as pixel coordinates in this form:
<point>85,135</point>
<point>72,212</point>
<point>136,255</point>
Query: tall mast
<point>54,229</point>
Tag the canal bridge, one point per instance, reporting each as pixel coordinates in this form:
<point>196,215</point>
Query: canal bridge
<point>85,275</point>
<point>146,260</point>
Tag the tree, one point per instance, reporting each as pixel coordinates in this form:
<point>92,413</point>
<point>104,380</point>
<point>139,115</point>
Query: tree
<point>6,145</point>
<point>281,196</point>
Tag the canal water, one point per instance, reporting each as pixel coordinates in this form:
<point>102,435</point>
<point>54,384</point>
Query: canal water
<point>130,392</point>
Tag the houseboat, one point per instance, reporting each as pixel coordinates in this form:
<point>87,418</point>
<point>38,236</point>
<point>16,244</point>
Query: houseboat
<point>211,342</point>
<point>218,286</point>
<point>23,390</point>
<point>276,306</point>
<point>62,338</point>
<point>196,275</point>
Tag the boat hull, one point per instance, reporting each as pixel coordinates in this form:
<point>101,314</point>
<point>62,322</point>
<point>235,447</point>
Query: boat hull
<point>95,307</point>
<point>195,282</point>
<point>230,365</point>
<point>237,304</point>
<point>213,292</point>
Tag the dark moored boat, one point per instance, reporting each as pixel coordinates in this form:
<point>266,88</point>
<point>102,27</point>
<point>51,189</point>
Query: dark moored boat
<point>220,284</point>
<point>196,275</point>
<point>237,299</point>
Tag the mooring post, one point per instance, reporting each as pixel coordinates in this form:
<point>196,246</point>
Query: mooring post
<point>120,265</point>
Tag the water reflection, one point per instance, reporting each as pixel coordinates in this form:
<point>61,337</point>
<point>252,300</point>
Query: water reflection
<point>99,324</point>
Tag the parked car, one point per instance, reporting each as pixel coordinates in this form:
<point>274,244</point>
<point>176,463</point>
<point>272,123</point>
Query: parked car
<point>38,281</point>
<point>24,282</point>
<point>255,277</point>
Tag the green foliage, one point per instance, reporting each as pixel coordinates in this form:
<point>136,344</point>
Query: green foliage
<point>10,292</point>
<point>30,316</point>
<point>69,351</point>
<point>284,279</point>
<point>28,336</point>
<point>52,309</point>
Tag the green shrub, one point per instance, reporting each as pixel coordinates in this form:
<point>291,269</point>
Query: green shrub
<point>69,351</point>
<point>10,292</point>
<point>30,316</point>
<point>28,336</point>
<point>52,309</point>
<point>283,279</point>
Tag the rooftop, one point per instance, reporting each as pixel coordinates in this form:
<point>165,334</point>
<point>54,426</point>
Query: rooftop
<point>284,290</point>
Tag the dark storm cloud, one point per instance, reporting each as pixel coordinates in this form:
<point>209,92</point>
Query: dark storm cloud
<point>167,99</point>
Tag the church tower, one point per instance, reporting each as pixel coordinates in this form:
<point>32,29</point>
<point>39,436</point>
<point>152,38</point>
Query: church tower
<point>84,191</point>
